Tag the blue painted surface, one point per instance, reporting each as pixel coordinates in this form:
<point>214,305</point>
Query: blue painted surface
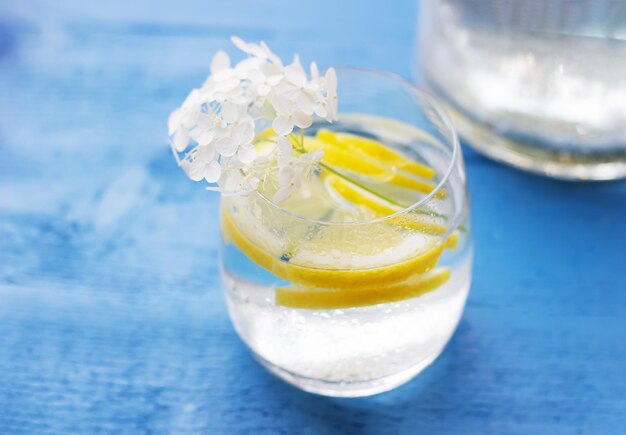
<point>110,316</point>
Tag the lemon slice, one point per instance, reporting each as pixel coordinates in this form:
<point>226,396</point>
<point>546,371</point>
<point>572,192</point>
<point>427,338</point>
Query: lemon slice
<point>336,155</point>
<point>376,151</point>
<point>382,207</point>
<point>318,273</point>
<point>343,151</point>
<point>294,296</point>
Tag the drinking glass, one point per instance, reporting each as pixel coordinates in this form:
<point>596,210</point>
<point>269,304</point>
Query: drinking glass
<point>345,307</point>
<point>537,84</point>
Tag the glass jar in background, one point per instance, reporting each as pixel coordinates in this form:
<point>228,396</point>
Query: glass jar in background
<point>535,84</point>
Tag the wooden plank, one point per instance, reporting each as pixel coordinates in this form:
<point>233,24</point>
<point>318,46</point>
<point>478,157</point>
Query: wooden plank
<point>110,314</point>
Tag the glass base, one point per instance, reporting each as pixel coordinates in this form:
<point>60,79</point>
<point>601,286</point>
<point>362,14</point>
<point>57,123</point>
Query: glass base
<point>348,389</point>
<point>561,165</point>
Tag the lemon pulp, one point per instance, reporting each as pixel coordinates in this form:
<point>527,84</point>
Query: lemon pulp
<point>335,266</point>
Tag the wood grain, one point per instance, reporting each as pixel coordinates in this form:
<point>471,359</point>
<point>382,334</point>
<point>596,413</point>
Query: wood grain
<point>111,320</point>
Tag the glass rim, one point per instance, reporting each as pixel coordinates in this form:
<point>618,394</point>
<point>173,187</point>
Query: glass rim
<point>456,150</point>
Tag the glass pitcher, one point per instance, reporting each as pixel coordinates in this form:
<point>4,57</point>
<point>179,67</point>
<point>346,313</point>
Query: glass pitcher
<point>539,85</point>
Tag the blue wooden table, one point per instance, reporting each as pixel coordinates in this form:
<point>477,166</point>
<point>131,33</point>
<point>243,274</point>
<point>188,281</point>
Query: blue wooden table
<point>111,318</point>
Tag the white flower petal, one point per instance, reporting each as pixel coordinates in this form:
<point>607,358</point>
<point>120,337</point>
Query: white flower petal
<point>256,76</point>
<point>220,132</point>
<point>330,80</point>
<point>282,125</point>
<point>246,117</point>
<point>249,48</point>
<point>173,121</point>
<point>246,66</point>
<point>271,56</point>
<point>254,182</point>
<point>314,157</point>
<point>282,194</point>
<point>205,154</point>
<point>190,118</point>
<point>181,139</point>
<point>207,88</point>
<point>305,103</point>
<point>274,80</point>
<point>239,43</point>
<point>315,72</point>
<point>220,62</point>
<point>295,73</point>
<point>257,51</point>
<point>263,89</point>
<point>299,175</point>
<point>240,100</point>
<point>227,85</point>
<point>312,86</point>
<point>320,110</point>
<point>204,137</point>
<point>285,151</point>
<point>301,119</point>
<point>282,105</point>
<point>295,77</point>
<point>205,121</point>
<point>247,132</point>
<point>242,133</point>
<point>230,112</point>
<point>192,98</point>
<point>222,75</point>
<point>220,97</point>
<point>194,170</point>
<point>246,153</point>
<point>212,172</point>
<point>286,175</point>
<point>269,69</point>
<point>226,147</point>
<point>284,145</point>
<point>331,106</point>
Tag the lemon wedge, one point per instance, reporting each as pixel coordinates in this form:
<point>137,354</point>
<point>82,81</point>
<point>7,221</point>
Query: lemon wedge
<point>317,272</point>
<point>364,157</point>
<point>380,206</point>
<point>294,296</point>
<point>340,156</point>
<point>376,151</point>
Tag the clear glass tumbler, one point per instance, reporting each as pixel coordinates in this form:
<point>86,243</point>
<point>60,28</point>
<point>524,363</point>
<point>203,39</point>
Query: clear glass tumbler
<point>538,84</point>
<point>340,302</point>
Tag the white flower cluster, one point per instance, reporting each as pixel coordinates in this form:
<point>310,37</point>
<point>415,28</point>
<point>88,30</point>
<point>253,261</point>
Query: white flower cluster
<point>217,123</point>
